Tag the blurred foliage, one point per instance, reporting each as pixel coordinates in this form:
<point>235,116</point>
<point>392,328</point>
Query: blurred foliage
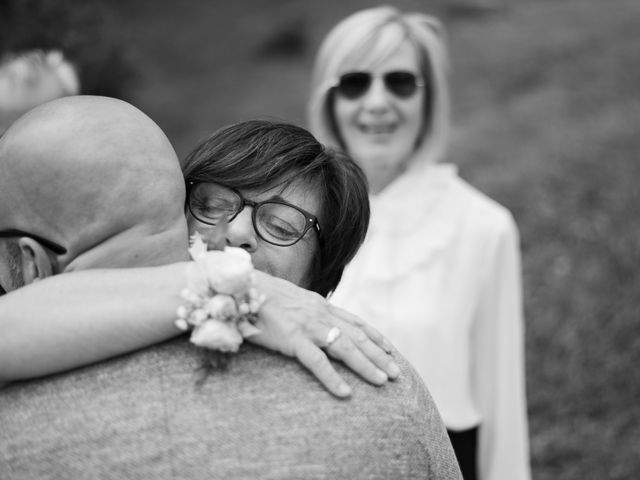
<point>84,30</point>
<point>547,125</point>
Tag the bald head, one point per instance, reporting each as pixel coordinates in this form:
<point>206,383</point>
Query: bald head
<point>98,177</point>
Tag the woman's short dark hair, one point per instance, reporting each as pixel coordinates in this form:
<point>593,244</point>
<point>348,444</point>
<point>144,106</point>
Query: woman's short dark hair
<point>260,154</point>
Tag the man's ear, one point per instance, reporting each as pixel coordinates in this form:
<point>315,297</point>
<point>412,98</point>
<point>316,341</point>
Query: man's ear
<point>36,263</point>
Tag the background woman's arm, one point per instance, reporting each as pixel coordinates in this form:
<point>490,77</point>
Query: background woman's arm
<point>503,445</point>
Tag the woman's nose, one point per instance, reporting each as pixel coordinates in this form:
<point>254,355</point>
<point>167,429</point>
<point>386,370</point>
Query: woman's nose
<point>240,232</point>
<point>213,237</point>
<point>377,97</point>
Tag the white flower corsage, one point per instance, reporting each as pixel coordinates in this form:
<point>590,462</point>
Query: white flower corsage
<point>221,301</point>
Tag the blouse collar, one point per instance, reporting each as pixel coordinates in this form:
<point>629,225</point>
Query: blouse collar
<point>410,200</point>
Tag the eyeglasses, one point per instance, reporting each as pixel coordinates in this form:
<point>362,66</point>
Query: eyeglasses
<point>354,85</point>
<point>54,247</point>
<point>275,221</point>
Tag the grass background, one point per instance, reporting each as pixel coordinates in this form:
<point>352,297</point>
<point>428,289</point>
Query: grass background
<point>546,120</point>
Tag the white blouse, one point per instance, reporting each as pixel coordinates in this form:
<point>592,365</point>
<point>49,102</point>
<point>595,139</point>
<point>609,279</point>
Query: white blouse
<point>439,274</point>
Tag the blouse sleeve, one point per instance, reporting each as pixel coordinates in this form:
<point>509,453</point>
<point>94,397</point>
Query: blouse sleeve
<point>499,384</point>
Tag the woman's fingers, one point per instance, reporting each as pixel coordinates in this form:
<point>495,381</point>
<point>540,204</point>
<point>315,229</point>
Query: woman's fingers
<point>356,321</point>
<point>369,350</point>
<point>317,362</point>
<point>347,343</point>
<point>353,345</point>
<point>346,351</point>
<point>299,323</point>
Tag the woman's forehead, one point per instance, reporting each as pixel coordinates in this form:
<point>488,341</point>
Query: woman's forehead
<point>298,188</point>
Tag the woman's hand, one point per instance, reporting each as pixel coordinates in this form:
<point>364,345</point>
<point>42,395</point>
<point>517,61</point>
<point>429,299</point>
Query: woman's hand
<point>302,324</point>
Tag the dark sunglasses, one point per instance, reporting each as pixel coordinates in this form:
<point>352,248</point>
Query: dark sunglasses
<point>354,85</point>
<point>54,247</point>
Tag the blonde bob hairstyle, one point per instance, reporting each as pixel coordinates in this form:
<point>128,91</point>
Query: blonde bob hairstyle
<point>370,36</point>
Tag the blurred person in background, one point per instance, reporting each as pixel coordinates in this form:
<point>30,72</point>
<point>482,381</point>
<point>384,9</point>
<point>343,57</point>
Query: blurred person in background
<point>440,269</point>
<point>31,78</point>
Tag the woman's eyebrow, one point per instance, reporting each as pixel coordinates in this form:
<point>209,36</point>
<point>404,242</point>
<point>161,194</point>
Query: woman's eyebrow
<point>279,198</point>
<point>252,194</point>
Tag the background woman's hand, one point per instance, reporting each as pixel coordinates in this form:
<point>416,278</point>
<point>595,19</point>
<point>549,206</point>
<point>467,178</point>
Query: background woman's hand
<point>302,324</point>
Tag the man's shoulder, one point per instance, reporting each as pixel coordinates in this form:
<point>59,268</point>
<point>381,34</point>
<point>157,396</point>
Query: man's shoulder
<point>155,412</point>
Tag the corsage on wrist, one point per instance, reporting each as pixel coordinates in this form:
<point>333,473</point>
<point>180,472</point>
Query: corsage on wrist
<point>221,301</point>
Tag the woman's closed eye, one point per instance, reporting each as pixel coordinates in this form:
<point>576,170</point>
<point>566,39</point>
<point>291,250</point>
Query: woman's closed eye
<point>212,208</point>
<point>279,227</point>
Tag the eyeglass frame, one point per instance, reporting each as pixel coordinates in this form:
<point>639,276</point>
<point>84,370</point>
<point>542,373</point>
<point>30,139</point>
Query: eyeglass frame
<point>311,219</point>
<point>418,82</point>
<point>53,246</point>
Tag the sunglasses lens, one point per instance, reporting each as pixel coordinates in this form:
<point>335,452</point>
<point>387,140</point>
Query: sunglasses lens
<point>354,85</point>
<point>401,84</point>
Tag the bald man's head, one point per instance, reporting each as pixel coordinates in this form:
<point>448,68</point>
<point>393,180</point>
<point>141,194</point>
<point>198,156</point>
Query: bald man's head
<point>96,176</point>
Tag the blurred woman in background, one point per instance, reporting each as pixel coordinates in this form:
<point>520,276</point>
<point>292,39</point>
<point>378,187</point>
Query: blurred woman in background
<point>439,272</point>
<point>31,78</point>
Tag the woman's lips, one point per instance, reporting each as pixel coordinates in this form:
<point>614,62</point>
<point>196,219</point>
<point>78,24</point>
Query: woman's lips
<point>377,129</point>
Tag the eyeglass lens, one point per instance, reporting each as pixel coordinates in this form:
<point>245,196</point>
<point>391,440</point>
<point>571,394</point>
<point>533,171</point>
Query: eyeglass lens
<point>280,223</point>
<point>355,84</point>
<point>275,222</point>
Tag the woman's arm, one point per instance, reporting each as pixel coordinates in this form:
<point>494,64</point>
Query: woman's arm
<point>500,368</point>
<point>78,318</point>
<point>82,317</point>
